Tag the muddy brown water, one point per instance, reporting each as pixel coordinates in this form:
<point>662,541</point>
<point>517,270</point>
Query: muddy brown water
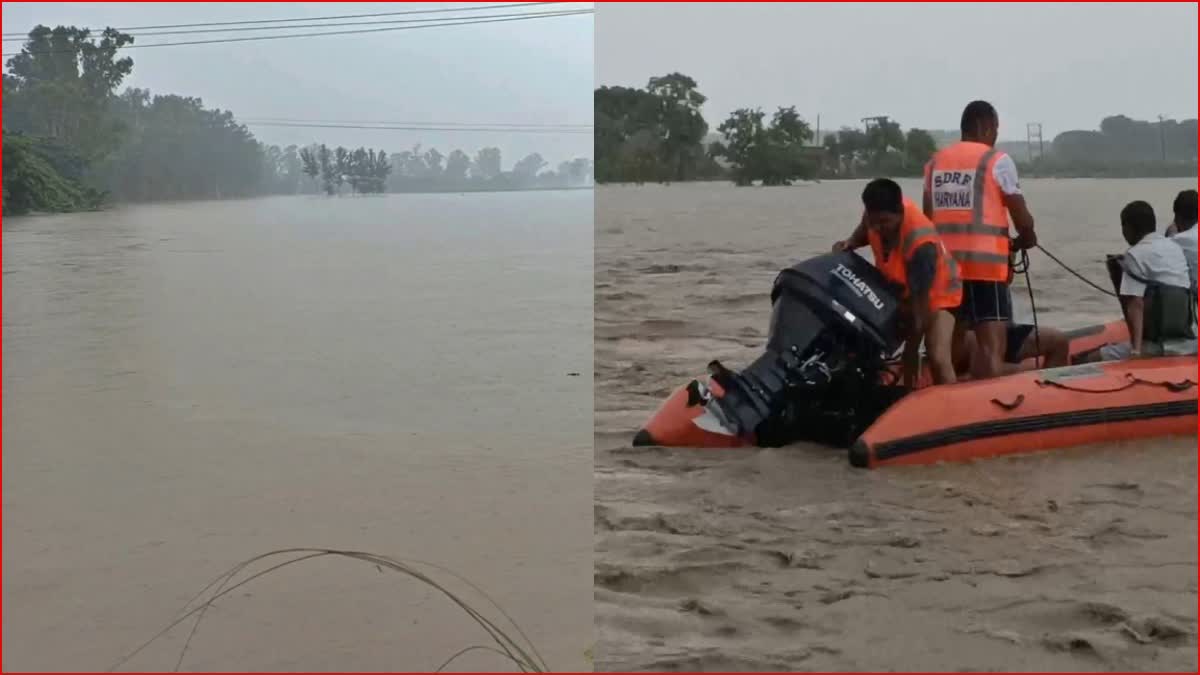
<point>789,558</point>
<point>189,385</point>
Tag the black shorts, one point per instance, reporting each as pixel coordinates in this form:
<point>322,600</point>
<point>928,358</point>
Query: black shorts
<point>1017,334</point>
<point>984,301</point>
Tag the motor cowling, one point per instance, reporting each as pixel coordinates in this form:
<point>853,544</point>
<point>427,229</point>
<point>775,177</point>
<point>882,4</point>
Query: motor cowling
<point>833,324</point>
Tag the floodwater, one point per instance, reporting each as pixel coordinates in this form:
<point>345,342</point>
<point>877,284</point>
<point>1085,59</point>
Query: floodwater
<point>790,559</point>
<point>189,385</point>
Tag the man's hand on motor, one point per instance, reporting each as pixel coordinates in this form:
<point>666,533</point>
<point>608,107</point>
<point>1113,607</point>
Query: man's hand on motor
<point>840,246</point>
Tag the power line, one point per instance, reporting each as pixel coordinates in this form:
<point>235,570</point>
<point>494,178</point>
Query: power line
<point>475,8</point>
<point>466,22</point>
<point>307,25</point>
<point>491,129</point>
<point>373,123</point>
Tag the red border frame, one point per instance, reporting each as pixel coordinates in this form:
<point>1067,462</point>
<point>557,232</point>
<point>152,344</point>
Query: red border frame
<point>598,2</point>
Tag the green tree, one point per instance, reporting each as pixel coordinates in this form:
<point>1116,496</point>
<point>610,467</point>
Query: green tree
<point>745,137</point>
<point>681,122</point>
<point>60,85</point>
<point>884,139</point>
<point>775,154</point>
<point>34,179</point>
<point>341,166</point>
<point>328,170</point>
<point>919,147</point>
<point>528,167</point>
<point>380,170</point>
<point>175,148</point>
<point>628,130</point>
<point>457,166</point>
<point>788,128</point>
<point>848,150</point>
<point>414,162</point>
<point>487,164</point>
<point>433,163</point>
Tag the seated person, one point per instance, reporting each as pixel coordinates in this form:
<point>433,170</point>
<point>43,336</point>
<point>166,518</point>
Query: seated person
<point>1051,346</point>
<point>909,252</point>
<point>1155,291</point>
<point>1183,230</point>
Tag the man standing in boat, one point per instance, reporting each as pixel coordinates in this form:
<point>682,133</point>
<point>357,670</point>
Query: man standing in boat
<point>909,252</point>
<point>971,190</point>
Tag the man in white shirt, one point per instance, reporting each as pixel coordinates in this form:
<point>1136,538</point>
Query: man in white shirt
<point>1183,230</point>
<point>1155,291</point>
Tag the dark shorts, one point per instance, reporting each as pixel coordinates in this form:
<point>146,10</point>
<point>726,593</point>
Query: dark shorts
<point>985,301</point>
<point>1017,334</point>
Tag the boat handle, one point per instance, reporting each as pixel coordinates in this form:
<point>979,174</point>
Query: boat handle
<point>1133,381</point>
<point>1016,402</point>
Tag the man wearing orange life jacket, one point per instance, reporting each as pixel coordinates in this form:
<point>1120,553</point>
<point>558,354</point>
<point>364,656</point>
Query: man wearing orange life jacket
<point>971,189</point>
<point>910,254</point>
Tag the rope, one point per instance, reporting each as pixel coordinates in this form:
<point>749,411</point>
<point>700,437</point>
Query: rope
<point>1023,268</point>
<point>1079,276</point>
<point>1131,381</point>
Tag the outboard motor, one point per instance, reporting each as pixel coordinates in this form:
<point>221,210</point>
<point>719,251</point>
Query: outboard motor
<point>833,328</point>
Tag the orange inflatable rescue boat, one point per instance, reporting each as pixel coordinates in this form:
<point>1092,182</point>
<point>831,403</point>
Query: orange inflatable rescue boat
<point>828,375</point>
<point>1036,410</point>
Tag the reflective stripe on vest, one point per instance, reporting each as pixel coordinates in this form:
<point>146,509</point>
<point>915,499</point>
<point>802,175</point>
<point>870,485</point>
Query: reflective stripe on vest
<point>945,291</point>
<point>980,247</point>
<point>913,235</point>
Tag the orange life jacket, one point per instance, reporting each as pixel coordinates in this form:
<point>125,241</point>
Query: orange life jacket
<point>916,230</point>
<point>969,211</point>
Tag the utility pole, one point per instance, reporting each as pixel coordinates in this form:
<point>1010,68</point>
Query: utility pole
<point>1162,139</point>
<point>1033,131</point>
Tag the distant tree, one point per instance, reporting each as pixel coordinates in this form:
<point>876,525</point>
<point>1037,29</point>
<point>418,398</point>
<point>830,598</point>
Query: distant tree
<point>175,148</point>
<point>414,162</point>
<point>312,167</point>
<point>328,170</point>
<point>487,164</point>
<point>775,154</point>
<point>788,128</point>
<point>457,166</point>
<point>357,169</point>
<point>528,167</point>
<point>60,86</point>
<point>628,135</point>
<point>433,163</point>
<point>680,118</point>
<point>744,136</point>
<point>919,147</point>
<point>639,159</point>
<point>576,171</point>
<point>380,170</point>
<point>885,139</point>
<point>341,166</point>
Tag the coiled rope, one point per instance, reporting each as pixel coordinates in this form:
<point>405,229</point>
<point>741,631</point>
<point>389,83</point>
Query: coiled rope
<point>1021,266</point>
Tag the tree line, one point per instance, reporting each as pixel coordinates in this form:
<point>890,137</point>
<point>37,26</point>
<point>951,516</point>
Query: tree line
<point>658,134</point>
<point>333,171</point>
<point>72,142</point>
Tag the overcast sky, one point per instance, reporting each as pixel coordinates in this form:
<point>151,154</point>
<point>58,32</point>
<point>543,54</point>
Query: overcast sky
<point>522,72</point>
<point>1064,65</point>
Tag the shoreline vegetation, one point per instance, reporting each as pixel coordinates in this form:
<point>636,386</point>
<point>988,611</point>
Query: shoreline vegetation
<point>658,134</point>
<point>103,204</point>
<point>72,143</point>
